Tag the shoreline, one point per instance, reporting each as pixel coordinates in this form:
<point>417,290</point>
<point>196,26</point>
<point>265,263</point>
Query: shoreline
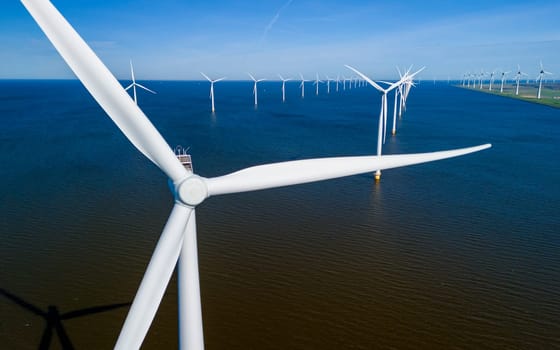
<point>548,99</point>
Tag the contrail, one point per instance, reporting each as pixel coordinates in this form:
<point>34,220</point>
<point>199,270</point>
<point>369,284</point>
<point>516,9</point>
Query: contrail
<point>274,19</point>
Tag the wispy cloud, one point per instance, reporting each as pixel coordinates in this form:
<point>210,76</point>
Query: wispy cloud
<point>274,19</point>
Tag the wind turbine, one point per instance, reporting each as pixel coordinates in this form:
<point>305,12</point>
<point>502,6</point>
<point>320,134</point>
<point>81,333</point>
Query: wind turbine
<point>517,78</point>
<point>135,84</point>
<point>540,79</point>
<point>302,85</point>
<point>255,87</point>
<point>383,114</point>
<point>503,79</point>
<point>212,88</point>
<point>177,244</point>
<point>491,80</point>
<point>329,84</point>
<point>283,87</point>
<point>402,90</point>
<point>316,83</point>
<point>337,81</point>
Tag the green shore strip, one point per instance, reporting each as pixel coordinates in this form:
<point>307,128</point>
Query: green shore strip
<point>550,93</point>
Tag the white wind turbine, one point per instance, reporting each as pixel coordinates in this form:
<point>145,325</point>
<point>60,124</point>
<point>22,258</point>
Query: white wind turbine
<point>284,87</point>
<point>337,81</point>
<point>302,85</point>
<point>212,88</point>
<point>382,126</point>
<point>540,79</point>
<point>135,84</point>
<point>402,90</point>
<point>316,83</point>
<point>255,87</point>
<point>503,80</point>
<point>517,78</point>
<point>328,84</point>
<point>405,88</point>
<point>177,244</point>
<point>491,80</point>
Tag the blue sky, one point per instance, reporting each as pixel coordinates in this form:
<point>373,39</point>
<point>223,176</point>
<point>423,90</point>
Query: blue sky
<point>173,39</point>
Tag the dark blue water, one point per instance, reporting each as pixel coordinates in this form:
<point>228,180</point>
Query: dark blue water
<point>461,253</point>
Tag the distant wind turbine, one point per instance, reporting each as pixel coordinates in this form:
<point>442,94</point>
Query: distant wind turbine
<point>491,80</point>
<point>212,88</point>
<point>255,87</point>
<point>328,84</point>
<point>503,79</point>
<point>383,114</point>
<point>284,87</point>
<point>337,81</point>
<point>316,83</point>
<point>302,85</point>
<point>135,84</point>
<point>517,78</point>
<point>540,79</point>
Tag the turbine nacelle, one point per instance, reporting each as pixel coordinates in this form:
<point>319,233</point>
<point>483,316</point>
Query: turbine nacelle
<point>191,191</point>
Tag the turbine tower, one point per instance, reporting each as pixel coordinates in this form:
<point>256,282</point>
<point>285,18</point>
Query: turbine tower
<point>337,81</point>
<point>328,84</point>
<point>135,84</point>
<point>491,80</point>
<point>302,85</point>
<point>212,88</point>
<point>503,79</point>
<point>540,79</point>
<point>517,78</point>
<point>255,87</point>
<point>178,242</point>
<point>316,83</point>
<point>284,87</point>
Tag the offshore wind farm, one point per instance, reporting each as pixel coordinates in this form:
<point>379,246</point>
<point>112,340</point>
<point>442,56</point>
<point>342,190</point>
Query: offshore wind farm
<point>306,246</point>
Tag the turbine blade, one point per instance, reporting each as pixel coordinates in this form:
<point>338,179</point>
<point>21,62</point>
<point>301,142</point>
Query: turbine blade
<point>310,170</point>
<point>204,75</point>
<point>155,280</point>
<point>252,77</point>
<point>190,312</point>
<point>217,80</point>
<point>105,88</point>
<point>145,88</point>
<point>371,82</point>
<point>129,86</point>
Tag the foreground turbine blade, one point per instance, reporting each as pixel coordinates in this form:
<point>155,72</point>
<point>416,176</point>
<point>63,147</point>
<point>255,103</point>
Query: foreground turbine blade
<point>311,170</point>
<point>105,88</point>
<point>190,311</point>
<point>153,285</point>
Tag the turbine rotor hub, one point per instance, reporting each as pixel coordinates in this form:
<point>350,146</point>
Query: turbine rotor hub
<point>192,191</point>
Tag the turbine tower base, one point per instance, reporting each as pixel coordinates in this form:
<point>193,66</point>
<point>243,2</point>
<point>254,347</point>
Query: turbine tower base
<point>377,176</point>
